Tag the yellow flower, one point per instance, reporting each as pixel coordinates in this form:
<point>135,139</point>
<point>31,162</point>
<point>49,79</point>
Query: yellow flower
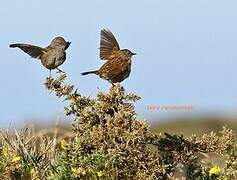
<point>64,145</point>
<point>214,170</point>
<point>100,174</point>
<point>5,153</point>
<point>74,170</point>
<point>32,172</point>
<point>16,159</point>
<point>78,171</point>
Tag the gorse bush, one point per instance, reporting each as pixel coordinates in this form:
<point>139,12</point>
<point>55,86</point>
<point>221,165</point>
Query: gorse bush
<point>108,141</point>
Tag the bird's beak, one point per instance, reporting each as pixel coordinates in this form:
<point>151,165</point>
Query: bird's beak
<point>67,45</point>
<point>134,54</point>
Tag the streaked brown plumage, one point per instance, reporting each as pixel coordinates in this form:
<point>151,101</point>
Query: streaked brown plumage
<point>118,64</point>
<point>51,57</point>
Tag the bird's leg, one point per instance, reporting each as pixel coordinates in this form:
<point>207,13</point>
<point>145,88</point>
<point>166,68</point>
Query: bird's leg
<point>111,83</point>
<point>60,71</point>
<point>50,73</point>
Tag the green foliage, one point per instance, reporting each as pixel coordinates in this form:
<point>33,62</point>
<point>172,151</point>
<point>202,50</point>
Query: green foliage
<point>108,141</point>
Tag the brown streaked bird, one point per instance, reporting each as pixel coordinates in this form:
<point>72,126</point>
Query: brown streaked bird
<point>118,64</point>
<point>51,56</point>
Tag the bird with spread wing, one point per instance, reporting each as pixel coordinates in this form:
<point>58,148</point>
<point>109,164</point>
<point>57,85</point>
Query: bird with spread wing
<point>118,61</point>
<point>51,57</point>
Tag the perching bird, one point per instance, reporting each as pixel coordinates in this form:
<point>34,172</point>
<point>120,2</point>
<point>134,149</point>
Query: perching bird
<point>118,65</point>
<point>51,57</point>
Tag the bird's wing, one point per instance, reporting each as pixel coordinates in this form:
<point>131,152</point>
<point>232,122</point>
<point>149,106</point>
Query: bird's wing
<point>33,51</point>
<point>111,69</point>
<point>108,45</point>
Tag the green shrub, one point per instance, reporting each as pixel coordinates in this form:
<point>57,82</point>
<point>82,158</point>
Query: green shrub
<point>108,141</point>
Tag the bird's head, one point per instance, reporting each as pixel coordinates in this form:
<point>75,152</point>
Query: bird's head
<point>60,42</point>
<point>128,53</point>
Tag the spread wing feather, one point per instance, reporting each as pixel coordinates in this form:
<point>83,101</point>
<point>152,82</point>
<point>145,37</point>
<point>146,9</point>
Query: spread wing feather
<point>33,51</point>
<point>108,45</point>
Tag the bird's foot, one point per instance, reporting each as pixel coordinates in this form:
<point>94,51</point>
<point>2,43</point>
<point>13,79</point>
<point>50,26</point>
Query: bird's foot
<point>50,75</point>
<point>60,71</point>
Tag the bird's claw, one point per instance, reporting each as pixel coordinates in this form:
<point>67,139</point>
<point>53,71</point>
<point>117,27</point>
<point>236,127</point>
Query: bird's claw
<point>60,71</point>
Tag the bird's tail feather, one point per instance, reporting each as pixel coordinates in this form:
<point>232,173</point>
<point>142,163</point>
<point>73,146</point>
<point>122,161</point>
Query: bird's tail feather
<point>14,45</point>
<point>88,72</point>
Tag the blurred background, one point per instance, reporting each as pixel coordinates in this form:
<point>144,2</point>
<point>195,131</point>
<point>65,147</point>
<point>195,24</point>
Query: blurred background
<point>186,57</point>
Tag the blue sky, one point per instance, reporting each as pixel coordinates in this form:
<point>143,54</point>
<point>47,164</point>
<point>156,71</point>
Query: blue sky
<point>186,53</point>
